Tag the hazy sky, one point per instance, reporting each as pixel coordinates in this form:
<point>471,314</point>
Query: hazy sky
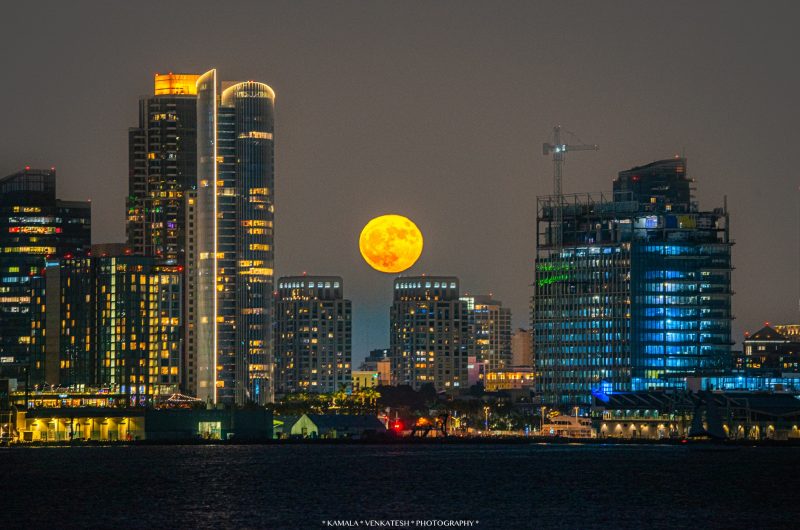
<point>437,111</point>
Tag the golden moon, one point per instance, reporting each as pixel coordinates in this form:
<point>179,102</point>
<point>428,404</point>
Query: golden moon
<point>390,243</point>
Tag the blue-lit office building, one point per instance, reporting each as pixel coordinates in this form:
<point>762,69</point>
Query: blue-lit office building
<point>231,228</point>
<point>634,292</point>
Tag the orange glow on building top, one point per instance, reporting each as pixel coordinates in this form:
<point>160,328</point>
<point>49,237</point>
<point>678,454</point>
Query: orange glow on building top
<point>176,84</point>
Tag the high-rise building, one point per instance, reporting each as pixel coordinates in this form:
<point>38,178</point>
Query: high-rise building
<point>638,292</point>
<point>162,165</point>
<point>35,228</point>
<point>64,318</point>
<point>489,331</point>
<point>429,333</point>
<point>313,335</point>
<point>522,347</point>
<point>232,312</point>
<point>138,326</point>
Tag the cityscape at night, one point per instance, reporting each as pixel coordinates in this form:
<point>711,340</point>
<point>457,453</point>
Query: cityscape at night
<point>424,264</point>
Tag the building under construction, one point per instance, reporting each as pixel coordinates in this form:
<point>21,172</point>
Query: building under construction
<point>632,288</point>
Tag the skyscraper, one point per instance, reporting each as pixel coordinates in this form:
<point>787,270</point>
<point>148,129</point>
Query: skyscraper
<point>313,334</point>
<point>234,212</point>
<point>162,165</point>
<point>639,293</point>
<point>429,333</point>
<point>489,331</point>
<point>35,228</point>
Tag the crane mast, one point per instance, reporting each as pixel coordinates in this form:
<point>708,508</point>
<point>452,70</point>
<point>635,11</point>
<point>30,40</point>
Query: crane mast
<point>559,149</point>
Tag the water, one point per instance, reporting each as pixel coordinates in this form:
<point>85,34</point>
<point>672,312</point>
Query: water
<point>300,486</point>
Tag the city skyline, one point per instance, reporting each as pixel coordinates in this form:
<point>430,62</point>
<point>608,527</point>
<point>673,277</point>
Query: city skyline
<point>450,139</point>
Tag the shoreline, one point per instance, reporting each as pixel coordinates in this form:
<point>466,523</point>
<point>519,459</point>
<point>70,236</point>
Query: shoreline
<point>451,441</point>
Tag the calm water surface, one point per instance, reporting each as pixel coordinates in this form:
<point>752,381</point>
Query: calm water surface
<point>300,486</point>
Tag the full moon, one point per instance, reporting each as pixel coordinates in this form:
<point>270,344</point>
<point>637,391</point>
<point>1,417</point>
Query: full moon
<point>390,243</point>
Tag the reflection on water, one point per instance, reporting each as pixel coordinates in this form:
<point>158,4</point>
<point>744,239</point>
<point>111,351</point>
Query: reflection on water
<point>298,486</point>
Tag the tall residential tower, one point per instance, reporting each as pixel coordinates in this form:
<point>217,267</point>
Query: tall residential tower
<point>429,339</point>
<point>313,335</point>
<point>232,311</point>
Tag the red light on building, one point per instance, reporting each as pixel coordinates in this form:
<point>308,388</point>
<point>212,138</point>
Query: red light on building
<point>397,426</point>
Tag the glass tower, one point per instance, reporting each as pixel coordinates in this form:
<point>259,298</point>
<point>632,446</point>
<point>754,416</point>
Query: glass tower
<point>234,214</point>
<point>35,229</point>
<point>638,295</point>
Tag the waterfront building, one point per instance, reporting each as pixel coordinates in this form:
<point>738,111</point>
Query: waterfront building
<point>313,335</point>
<point>429,333</point>
<point>336,426</point>
<point>138,317</point>
<point>231,313</point>
<point>380,362</point>
<point>115,424</point>
<point>522,347</point>
<point>660,414</point>
<point>631,291</point>
<point>489,330</point>
<point>36,228</point>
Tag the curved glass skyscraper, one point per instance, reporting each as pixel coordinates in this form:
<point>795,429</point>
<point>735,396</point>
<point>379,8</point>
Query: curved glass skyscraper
<point>233,312</point>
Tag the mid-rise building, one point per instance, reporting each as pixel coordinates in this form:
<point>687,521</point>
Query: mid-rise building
<point>313,337</point>
<point>429,338</point>
<point>632,291</point>
<point>522,347</point>
<point>380,362</point>
<point>35,228</point>
<point>489,331</point>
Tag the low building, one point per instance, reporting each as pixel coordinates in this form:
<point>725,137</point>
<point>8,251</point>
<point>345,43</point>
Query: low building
<point>364,379</point>
<point>476,371</point>
<point>111,424</point>
<point>670,414</point>
<point>514,378</point>
<point>337,426</point>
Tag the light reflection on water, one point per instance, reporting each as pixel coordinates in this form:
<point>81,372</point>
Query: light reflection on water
<point>298,486</point>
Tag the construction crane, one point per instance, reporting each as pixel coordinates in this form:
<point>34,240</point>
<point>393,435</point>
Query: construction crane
<point>558,150</point>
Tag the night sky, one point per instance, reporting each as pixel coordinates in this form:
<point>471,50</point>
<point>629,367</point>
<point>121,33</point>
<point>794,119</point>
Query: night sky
<point>437,111</point>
